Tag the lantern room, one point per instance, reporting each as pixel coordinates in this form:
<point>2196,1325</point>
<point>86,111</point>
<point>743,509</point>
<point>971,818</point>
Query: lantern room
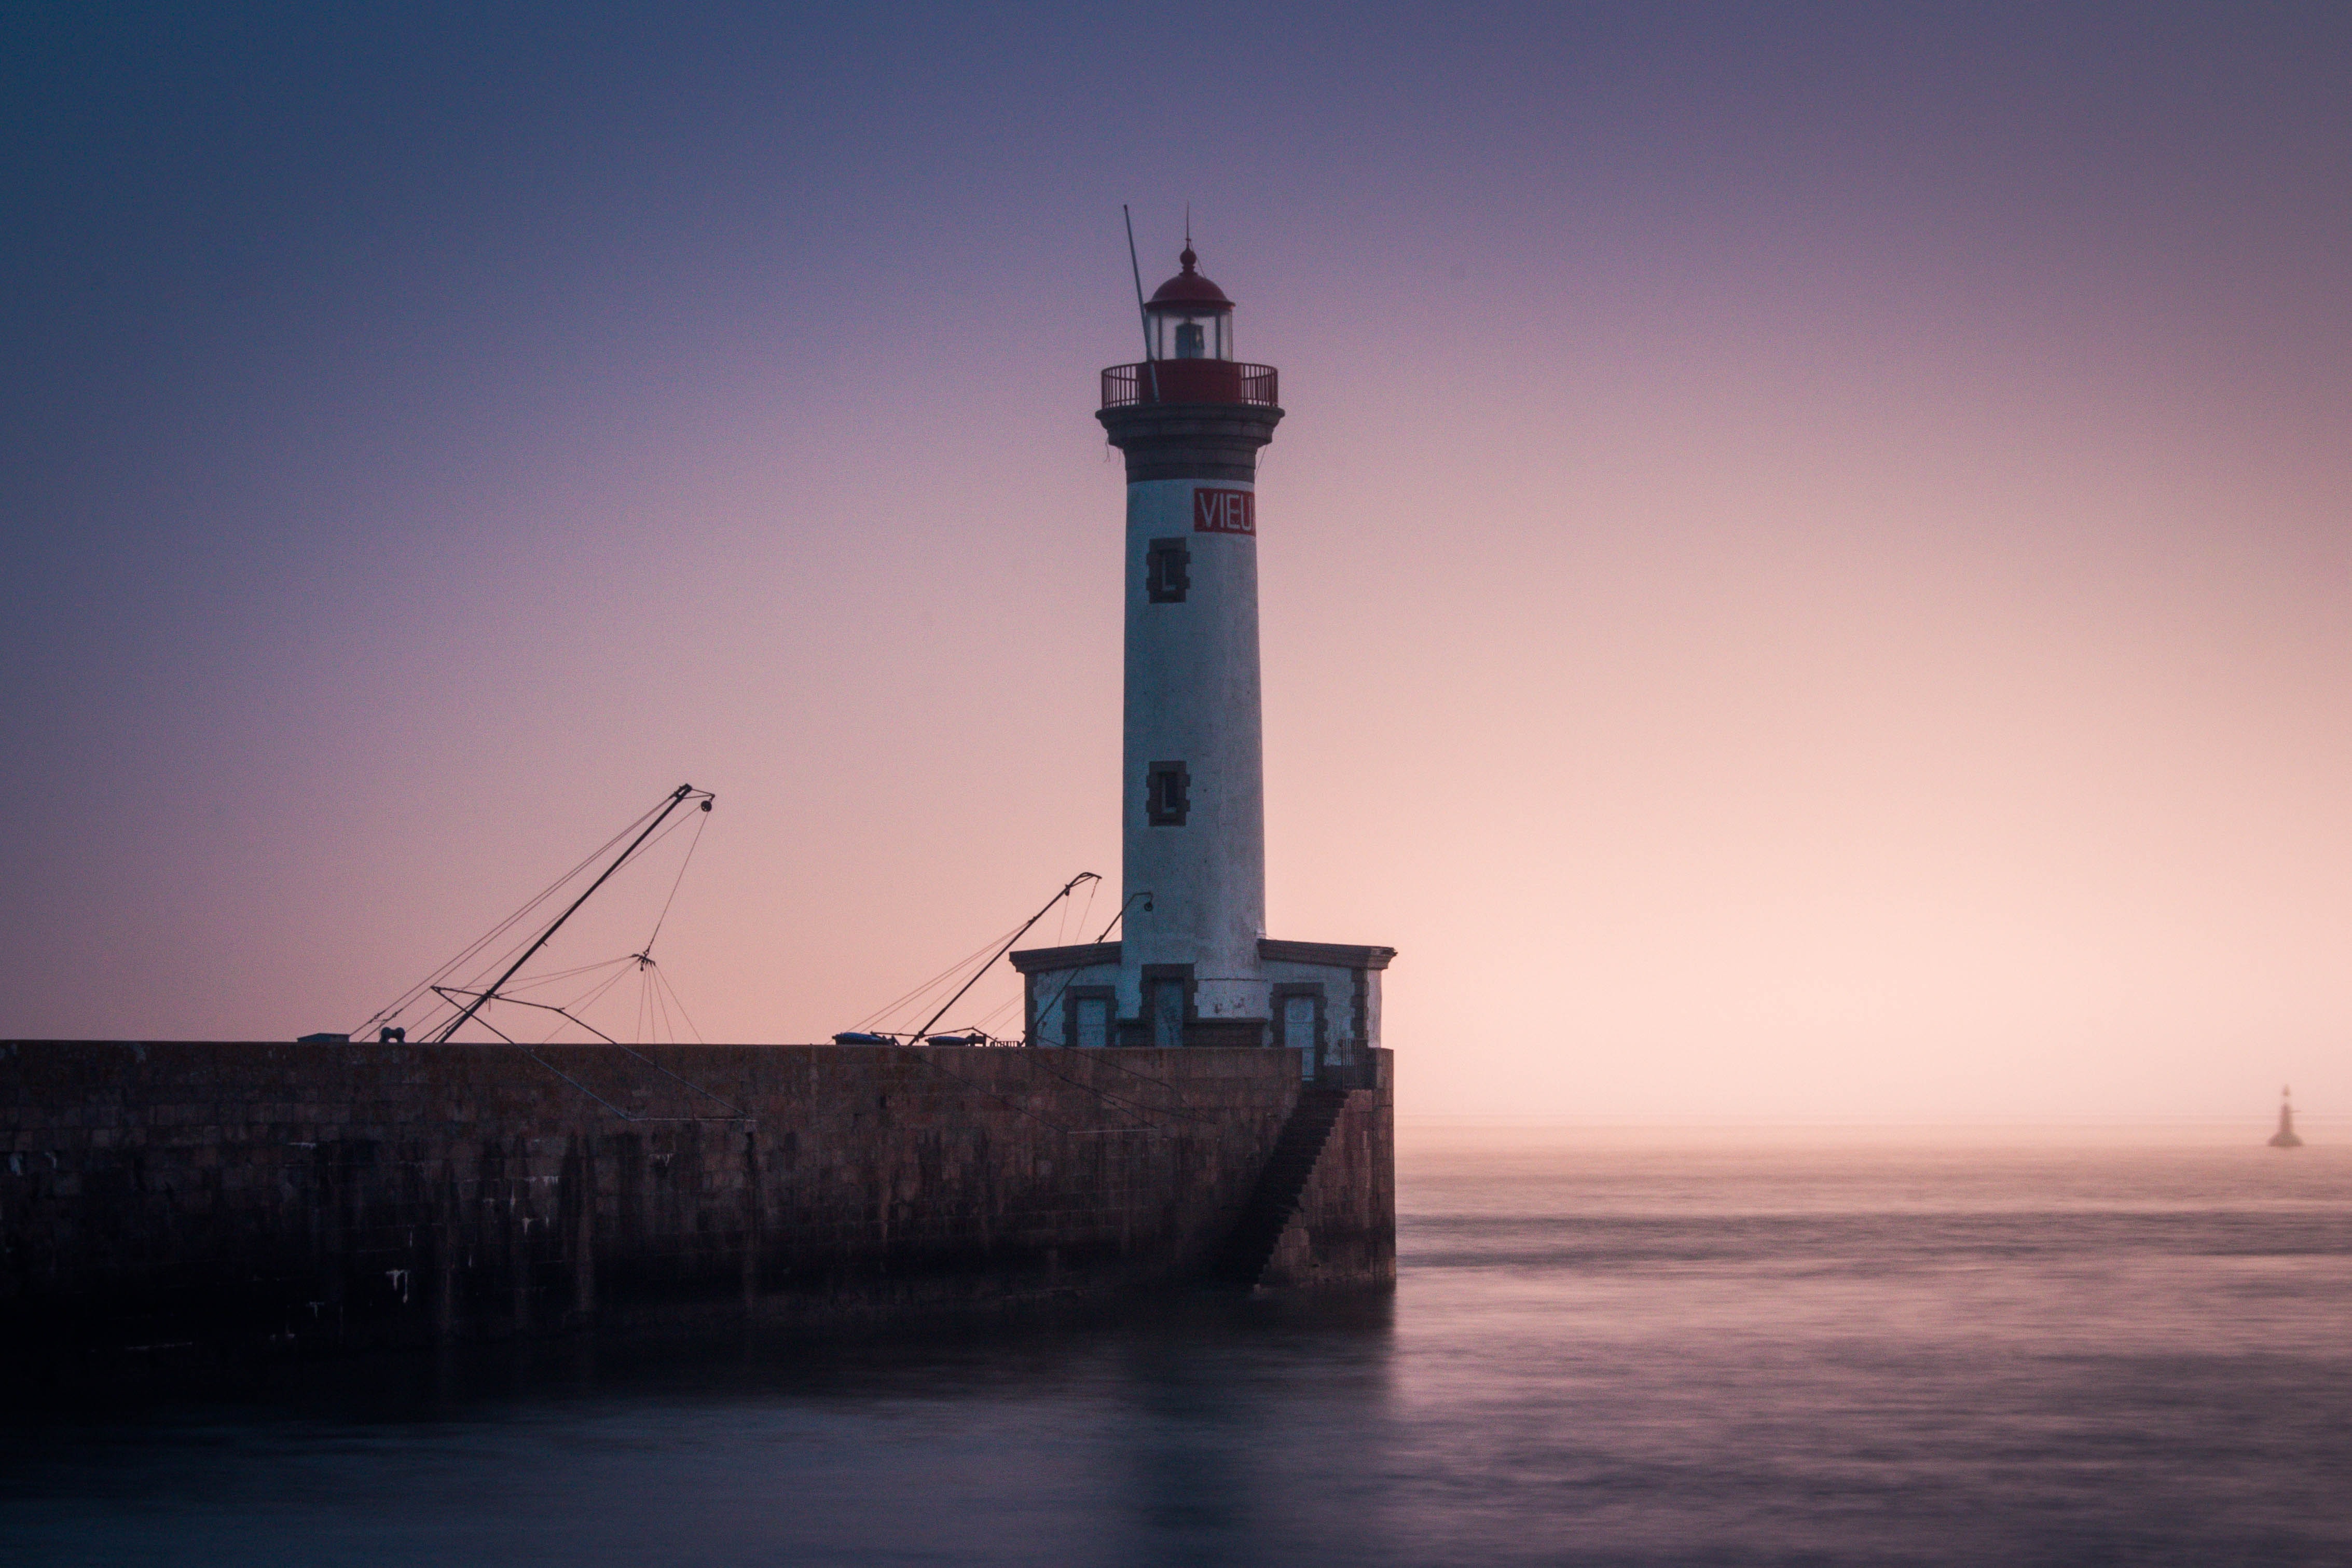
<point>1188,333</point>
<point>1190,317</point>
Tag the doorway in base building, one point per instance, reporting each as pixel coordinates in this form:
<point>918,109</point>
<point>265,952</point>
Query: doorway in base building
<point>1167,1012</point>
<point>1087,1016</point>
<point>1299,1012</point>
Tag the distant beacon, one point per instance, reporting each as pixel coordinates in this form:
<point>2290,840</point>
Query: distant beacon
<point>2284,1137</point>
<point>1194,966</point>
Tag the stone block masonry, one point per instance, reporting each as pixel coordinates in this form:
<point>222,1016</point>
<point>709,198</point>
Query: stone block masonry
<point>241,1195</point>
<point>1343,1233</point>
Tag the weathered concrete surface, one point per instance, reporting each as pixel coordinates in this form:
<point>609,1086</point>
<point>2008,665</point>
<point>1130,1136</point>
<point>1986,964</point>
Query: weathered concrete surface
<point>229,1194</point>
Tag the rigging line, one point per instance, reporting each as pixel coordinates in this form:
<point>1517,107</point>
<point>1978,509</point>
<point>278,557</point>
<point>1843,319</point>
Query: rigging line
<point>1068,887</point>
<point>578,1085</point>
<point>656,842</point>
<point>555,974</point>
<point>996,1014</point>
<point>664,997</point>
<point>1000,946</point>
<point>1046,1003</point>
<point>1080,914</point>
<point>1119,917</point>
<point>910,1017</point>
<point>737,1113</point>
<point>414,992</point>
<point>474,949</point>
<point>1103,1059</point>
<point>545,980</point>
<point>499,1032</point>
<point>941,978</point>
<point>677,797</point>
<point>591,997</point>
<point>544,1007</point>
<point>635,854</point>
<point>952,970</point>
<point>585,998</point>
<point>1069,976</point>
<point>514,991</point>
<point>566,1017</point>
<point>1062,926</point>
<point>1107,1097</point>
<point>944,1071</point>
<point>688,1082</point>
<point>739,1116</point>
<point>444,973</point>
<point>701,822</point>
<point>681,1009</point>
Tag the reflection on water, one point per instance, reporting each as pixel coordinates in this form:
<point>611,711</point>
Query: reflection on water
<point>1596,1354</point>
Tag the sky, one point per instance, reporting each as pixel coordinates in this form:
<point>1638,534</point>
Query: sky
<point>1804,576</point>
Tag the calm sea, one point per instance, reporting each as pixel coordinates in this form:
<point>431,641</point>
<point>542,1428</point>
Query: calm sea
<point>1603,1349</point>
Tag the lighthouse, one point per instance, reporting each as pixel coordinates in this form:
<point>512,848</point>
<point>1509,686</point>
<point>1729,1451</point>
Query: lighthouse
<point>2285,1137</point>
<point>1193,964</point>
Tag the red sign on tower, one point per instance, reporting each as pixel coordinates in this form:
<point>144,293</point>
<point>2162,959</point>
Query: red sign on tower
<point>1224,511</point>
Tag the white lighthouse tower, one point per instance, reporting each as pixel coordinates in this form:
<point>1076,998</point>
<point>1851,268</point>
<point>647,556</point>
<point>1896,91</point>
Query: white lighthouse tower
<point>1193,965</point>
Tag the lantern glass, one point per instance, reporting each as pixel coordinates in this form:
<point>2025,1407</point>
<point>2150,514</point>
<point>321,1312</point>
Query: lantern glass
<point>1191,334</point>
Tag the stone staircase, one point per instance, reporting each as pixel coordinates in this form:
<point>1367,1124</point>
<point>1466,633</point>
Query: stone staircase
<point>1280,1185</point>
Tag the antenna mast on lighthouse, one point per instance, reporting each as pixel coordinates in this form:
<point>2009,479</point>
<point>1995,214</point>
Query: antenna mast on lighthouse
<point>1142,314</point>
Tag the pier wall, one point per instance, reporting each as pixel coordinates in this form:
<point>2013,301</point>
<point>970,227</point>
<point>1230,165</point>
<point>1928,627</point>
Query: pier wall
<point>223,1195</point>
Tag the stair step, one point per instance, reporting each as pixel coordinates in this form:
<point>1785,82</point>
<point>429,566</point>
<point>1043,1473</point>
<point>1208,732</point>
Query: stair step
<point>1297,1148</point>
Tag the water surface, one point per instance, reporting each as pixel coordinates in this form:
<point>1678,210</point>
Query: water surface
<point>1602,1349</point>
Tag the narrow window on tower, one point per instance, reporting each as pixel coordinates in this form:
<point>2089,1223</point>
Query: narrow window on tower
<point>1167,795</point>
<point>1165,573</point>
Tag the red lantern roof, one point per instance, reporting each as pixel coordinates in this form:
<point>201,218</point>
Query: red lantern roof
<point>1189,291</point>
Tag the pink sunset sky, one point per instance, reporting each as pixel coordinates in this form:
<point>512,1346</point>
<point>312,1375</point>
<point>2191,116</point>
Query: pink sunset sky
<point>1805,576</point>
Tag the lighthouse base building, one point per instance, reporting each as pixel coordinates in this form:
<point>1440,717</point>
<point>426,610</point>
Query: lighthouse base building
<point>1319,999</point>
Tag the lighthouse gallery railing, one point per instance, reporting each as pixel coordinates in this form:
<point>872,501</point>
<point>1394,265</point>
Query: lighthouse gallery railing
<point>1189,380</point>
